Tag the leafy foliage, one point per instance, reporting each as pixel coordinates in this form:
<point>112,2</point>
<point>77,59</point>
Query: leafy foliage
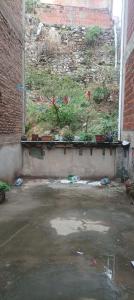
<point>100,94</point>
<point>92,35</point>
<point>52,85</point>
<point>75,114</point>
<point>85,136</point>
<point>68,135</point>
<point>30,5</point>
<point>4,186</point>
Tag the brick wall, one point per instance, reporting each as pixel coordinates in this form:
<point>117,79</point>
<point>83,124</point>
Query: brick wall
<point>130,28</point>
<point>128,115</point>
<point>69,15</point>
<point>10,70</point>
<point>129,94</point>
<point>94,4</point>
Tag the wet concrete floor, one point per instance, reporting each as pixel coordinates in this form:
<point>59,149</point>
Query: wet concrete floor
<point>64,242</point>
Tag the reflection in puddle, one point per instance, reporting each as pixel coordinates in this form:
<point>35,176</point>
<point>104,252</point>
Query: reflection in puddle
<point>68,226</point>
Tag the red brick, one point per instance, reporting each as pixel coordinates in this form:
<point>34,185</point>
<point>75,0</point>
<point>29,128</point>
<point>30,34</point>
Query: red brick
<point>75,16</point>
<point>11,69</point>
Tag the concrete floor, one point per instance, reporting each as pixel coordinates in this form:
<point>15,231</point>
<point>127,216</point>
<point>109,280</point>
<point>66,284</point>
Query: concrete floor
<point>62,242</point>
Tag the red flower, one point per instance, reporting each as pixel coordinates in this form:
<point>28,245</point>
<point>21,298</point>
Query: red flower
<point>88,95</point>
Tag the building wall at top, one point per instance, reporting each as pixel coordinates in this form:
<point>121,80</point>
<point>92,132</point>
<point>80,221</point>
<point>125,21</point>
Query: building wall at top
<point>130,26</point>
<point>75,16</point>
<point>79,13</point>
<point>11,97</point>
<point>92,4</point>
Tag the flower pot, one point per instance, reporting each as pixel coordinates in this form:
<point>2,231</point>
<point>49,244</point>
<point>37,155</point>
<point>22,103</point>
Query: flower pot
<point>2,197</point>
<point>100,138</point>
<point>46,138</point>
<point>35,137</point>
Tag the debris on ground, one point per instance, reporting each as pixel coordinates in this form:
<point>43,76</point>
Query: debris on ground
<point>129,188</point>
<point>77,252</point>
<point>93,262</point>
<point>132,263</point>
<point>125,143</point>
<point>18,182</point>
<point>94,183</point>
<point>108,273</point>
<point>73,178</point>
<point>76,180</point>
<point>105,181</point>
<point>80,253</point>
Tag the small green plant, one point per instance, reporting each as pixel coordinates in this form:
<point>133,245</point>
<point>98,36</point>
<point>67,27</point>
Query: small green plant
<point>4,186</point>
<point>85,137</point>
<point>30,5</point>
<point>92,35</point>
<point>101,94</point>
<point>68,135</point>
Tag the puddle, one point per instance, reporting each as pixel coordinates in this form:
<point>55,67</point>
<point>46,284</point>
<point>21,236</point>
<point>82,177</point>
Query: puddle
<point>68,226</point>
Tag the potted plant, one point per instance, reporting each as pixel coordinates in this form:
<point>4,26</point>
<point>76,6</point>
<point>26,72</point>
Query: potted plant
<point>85,137</point>
<point>68,136</point>
<point>47,138</point>
<point>100,138</point>
<point>4,187</point>
<point>35,137</point>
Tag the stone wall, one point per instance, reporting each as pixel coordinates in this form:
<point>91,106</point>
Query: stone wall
<point>63,50</point>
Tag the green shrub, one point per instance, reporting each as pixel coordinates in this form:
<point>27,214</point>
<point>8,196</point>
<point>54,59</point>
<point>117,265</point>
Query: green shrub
<point>92,35</point>
<point>30,5</point>
<point>100,94</point>
<point>4,186</point>
<point>51,85</point>
<point>85,136</point>
<point>68,136</point>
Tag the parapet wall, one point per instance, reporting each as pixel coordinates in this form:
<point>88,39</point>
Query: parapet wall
<point>50,160</point>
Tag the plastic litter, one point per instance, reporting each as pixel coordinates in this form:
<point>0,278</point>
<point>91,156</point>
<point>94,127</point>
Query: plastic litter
<point>132,263</point>
<point>80,253</point>
<point>64,181</point>
<point>19,182</point>
<point>105,181</point>
<point>95,183</point>
<point>73,178</point>
<point>108,273</point>
<point>125,143</point>
<point>39,29</point>
<point>82,182</point>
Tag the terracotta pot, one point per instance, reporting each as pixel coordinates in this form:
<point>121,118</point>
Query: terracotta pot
<point>35,137</point>
<point>100,138</point>
<point>46,138</point>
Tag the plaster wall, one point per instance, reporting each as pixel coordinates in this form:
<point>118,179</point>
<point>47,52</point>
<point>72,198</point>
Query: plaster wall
<point>10,161</point>
<point>57,164</point>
